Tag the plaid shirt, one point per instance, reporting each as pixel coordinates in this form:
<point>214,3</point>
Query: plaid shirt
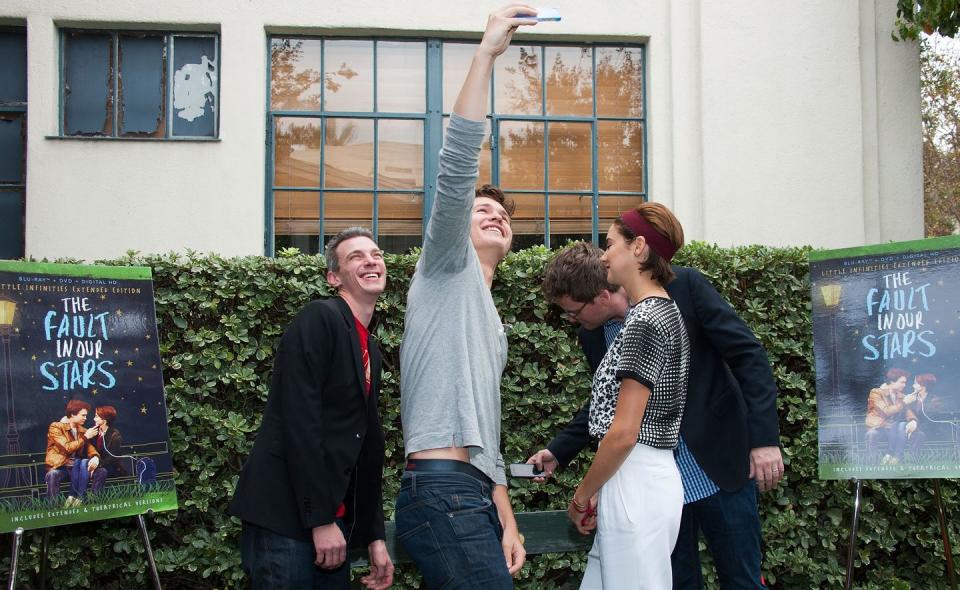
<point>696,484</point>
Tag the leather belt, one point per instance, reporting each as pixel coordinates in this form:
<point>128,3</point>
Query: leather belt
<point>447,465</point>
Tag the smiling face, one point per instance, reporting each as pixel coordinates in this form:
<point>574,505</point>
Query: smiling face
<point>78,419</point>
<point>899,384</point>
<point>362,273</point>
<point>490,226</point>
<point>620,257</point>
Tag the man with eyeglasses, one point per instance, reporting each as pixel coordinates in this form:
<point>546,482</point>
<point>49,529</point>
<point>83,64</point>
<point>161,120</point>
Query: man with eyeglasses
<point>729,436</point>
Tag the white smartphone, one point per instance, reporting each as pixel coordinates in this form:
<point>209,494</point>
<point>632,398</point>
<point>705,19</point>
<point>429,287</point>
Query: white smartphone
<point>544,14</point>
<point>527,470</point>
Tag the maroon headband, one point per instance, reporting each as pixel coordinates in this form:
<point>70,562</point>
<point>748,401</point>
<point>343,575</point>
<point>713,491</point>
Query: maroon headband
<point>641,227</point>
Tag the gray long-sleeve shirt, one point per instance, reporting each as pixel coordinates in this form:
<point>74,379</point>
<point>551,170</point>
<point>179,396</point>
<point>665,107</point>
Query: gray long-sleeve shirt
<point>454,347</point>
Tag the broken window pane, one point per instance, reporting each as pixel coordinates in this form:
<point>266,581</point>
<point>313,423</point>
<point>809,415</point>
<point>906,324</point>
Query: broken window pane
<point>11,224</point>
<point>142,85</point>
<point>139,84</point>
<point>194,86</point>
<point>88,80</point>
<point>12,141</point>
<point>13,66</point>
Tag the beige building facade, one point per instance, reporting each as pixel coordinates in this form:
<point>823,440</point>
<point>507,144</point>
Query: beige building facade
<point>245,126</point>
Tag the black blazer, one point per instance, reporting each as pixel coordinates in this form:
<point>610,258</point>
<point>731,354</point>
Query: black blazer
<point>731,402</point>
<point>320,442</point>
<point>111,457</point>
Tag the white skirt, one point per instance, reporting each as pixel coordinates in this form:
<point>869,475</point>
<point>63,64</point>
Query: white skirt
<point>638,519</point>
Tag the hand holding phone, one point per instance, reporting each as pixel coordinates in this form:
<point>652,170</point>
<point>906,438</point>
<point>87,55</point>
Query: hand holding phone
<point>525,470</point>
<point>543,14</point>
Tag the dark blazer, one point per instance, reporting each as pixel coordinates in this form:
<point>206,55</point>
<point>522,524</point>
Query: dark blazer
<point>731,402</point>
<point>111,457</point>
<point>320,442</point>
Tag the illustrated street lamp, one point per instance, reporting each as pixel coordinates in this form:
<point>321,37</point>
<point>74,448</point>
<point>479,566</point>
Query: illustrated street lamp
<point>12,476</point>
<point>831,298</point>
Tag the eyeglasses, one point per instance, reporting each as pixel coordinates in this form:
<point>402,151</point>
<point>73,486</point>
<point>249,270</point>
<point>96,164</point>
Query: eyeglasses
<point>573,314</point>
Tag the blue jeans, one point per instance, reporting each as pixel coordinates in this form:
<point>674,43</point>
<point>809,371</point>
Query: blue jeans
<point>896,437</point>
<point>276,562</point>
<point>79,476</point>
<point>448,524</point>
<point>731,525</point>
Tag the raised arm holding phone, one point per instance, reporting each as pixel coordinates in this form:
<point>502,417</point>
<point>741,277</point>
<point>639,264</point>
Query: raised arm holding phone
<point>453,512</point>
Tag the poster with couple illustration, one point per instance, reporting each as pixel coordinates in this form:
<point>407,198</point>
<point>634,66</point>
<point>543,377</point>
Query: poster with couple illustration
<point>886,332</point>
<point>82,391</point>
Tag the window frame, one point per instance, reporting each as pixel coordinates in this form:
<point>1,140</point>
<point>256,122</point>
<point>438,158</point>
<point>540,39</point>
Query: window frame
<point>19,108</point>
<point>323,114</point>
<point>169,55</point>
<point>434,117</point>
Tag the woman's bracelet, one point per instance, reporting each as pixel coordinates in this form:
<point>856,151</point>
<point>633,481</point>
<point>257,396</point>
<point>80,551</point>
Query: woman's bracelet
<point>578,506</point>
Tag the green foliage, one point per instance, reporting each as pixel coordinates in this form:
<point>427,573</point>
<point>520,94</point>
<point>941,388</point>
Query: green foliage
<point>929,16</point>
<point>220,320</point>
<point>940,110</point>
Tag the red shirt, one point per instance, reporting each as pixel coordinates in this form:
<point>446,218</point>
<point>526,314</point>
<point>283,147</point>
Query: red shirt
<point>363,334</point>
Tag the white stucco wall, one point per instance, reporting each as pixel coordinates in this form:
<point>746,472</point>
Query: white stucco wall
<point>774,122</point>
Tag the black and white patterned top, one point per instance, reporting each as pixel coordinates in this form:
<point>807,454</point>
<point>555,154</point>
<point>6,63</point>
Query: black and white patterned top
<point>652,349</point>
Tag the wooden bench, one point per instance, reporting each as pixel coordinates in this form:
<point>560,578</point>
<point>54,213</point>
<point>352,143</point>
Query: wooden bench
<point>31,469</point>
<point>549,531</point>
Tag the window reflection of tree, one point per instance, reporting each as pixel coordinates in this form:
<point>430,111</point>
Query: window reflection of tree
<point>290,89</point>
<point>570,92</point>
<point>571,81</point>
<point>340,132</point>
<point>290,82</point>
<point>619,82</point>
<point>523,87</point>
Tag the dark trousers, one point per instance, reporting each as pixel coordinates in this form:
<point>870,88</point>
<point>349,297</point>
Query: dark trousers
<point>895,435</point>
<point>448,524</point>
<point>79,476</point>
<point>276,562</point>
<point>731,525</point>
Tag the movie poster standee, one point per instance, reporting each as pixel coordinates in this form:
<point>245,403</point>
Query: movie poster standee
<point>82,386</point>
<point>887,354</point>
<point>854,521</point>
<point>151,562</point>
<point>14,557</point>
<point>944,533</point>
<point>44,560</point>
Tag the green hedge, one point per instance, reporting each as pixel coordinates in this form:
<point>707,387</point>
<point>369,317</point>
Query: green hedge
<point>220,319</point>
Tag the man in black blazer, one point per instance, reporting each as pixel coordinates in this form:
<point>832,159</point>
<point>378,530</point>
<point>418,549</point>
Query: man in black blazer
<point>729,433</point>
<point>312,485</point>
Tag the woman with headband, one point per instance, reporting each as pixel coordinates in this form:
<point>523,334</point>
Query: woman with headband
<point>632,492</point>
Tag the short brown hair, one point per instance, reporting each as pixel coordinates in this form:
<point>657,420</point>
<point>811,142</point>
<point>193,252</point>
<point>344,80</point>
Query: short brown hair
<point>667,225</point>
<point>491,192</point>
<point>576,272</point>
<point>107,413</point>
<point>894,374</point>
<point>74,407</point>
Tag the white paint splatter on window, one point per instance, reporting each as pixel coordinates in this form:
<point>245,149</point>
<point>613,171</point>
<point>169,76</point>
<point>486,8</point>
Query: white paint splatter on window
<point>191,85</point>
